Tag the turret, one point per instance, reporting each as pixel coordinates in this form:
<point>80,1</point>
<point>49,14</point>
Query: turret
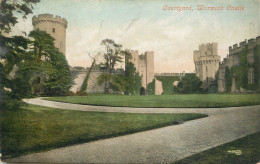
<point>55,26</point>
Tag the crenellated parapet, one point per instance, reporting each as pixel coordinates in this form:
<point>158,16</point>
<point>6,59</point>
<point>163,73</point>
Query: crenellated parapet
<point>233,59</point>
<point>54,26</point>
<point>41,18</point>
<point>251,43</point>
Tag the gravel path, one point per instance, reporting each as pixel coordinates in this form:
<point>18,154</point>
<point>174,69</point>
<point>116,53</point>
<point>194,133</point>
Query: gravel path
<point>60,105</point>
<point>162,145</point>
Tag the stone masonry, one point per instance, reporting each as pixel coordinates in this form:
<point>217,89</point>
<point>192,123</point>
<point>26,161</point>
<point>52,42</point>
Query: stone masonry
<point>144,64</point>
<point>55,26</point>
<point>232,60</point>
<point>206,61</point>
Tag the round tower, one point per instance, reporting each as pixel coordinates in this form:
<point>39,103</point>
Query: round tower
<point>55,26</point>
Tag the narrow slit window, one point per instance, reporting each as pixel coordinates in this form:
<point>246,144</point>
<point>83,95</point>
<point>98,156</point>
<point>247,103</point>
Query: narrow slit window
<point>53,30</point>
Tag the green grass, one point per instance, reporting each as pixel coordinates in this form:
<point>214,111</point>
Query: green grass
<point>36,128</point>
<point>248,146</point>
<point>178,101</point>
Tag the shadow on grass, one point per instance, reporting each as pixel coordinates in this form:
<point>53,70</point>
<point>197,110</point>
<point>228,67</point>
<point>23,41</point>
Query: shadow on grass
<point>245,150</point>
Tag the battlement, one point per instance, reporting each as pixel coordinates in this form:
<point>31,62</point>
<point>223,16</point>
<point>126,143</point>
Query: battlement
<point>208,44</point>
<point>149,53</point>
<point>134,51</point>
<point>209,49</point>
<point>251,43</point>
<point>49,18</point>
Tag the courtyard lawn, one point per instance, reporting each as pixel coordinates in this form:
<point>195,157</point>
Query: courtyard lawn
<point>35,128</point>
<point>178,101</point>
<point>241,151</point>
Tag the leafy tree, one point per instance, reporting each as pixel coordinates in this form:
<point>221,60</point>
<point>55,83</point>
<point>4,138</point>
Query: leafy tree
<point>8,9</point>
<point>133,80</point>
<point>213,87</point>
<point>118,83</point>
<point>45,70</point>
<point>11,48</point>
<point>112,55</point>
<point>190,83</point>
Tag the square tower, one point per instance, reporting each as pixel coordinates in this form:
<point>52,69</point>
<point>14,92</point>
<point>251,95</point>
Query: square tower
<point>206,61</point>
<point>144,65</point>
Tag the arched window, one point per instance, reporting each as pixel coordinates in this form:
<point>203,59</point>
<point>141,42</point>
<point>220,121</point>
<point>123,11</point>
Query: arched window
<point>251,76</point>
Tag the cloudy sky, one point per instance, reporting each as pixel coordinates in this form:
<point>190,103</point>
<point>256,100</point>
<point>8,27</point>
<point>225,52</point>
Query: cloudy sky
<point>145,26</point>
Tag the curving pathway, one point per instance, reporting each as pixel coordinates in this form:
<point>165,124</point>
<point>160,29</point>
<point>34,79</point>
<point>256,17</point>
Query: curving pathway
<point>163,145</point>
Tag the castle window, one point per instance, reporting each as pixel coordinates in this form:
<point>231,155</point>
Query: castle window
<point>53,30</point>
<point>251,76</point>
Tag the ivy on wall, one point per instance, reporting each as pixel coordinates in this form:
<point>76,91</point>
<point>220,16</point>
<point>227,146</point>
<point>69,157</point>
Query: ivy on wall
<point>228,79</point>
<point>85,82</point>
<point>167,84</point>
<point>256,67</point>
<point>151,88</point>
<point>240,73</point>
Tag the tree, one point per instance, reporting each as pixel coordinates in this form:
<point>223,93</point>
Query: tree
<point>8,8</point>
<point>11,48</point>
<point>118,83</point>
<point>190,83</point>
<point>133,80</point>
<point>112,56</point>
<point>213,86</point>
<point>45,70</point>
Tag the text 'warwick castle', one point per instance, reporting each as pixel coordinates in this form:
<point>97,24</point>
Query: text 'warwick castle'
<point>208,65</point>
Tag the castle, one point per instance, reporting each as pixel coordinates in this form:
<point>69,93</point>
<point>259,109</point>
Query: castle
<point>144,64</point>
<point>240,57</point>
<point>206,61</point>
<point>55,26</point>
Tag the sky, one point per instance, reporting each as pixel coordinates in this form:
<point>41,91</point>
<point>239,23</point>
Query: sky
<point>144,25</point>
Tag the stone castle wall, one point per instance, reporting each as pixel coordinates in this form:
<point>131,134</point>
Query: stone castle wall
<point>232,60</point>
<point>55,26</point>
<point>206,61</point>
<point>92,87</point>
